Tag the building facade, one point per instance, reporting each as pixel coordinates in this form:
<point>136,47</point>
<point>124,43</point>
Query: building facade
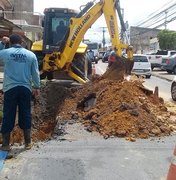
<point>23,5</point>
<point>20,13</point>
<point>141,39</point>
<point>154,45</point>
<point>6,26</point>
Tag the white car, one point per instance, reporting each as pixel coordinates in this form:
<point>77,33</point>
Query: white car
<point>173,89</point>
<point>142,66</point>
<point>156,58</point>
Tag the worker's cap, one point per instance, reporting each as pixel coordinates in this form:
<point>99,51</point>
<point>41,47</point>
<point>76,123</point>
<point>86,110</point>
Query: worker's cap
<point>15,39</point>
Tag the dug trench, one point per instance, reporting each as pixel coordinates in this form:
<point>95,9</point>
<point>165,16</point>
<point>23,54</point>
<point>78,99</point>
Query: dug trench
<point>109,105</point>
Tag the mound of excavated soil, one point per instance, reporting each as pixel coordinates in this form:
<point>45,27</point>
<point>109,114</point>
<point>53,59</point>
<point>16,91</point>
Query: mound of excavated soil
<point>119,109</point>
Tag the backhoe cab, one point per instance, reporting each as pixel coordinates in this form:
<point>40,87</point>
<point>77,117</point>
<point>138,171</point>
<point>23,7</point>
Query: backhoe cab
<point>56,24</point>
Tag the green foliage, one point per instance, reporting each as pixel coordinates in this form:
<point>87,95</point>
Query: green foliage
<point>167,40</point>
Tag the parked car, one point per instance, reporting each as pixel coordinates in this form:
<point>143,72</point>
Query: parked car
<point>106,55</point>
<point>156,58</point>
<point>142,66</point>
<point>169,64</point>
<point>173,89</point>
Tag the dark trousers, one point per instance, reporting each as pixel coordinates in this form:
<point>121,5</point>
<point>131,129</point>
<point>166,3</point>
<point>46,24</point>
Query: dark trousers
<point>20,97</point>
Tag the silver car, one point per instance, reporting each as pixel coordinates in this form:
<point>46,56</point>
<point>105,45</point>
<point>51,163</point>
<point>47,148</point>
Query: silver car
<point>169,64</point>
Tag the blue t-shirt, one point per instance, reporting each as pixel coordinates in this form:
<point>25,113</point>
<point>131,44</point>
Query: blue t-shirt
<point>20,68</point>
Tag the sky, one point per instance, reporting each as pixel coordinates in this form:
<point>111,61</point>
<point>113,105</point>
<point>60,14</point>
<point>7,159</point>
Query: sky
<point>134,12</point>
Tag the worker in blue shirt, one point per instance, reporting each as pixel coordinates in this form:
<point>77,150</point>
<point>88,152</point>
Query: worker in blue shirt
<point>21,79</point>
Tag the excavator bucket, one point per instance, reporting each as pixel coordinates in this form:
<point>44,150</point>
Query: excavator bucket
<point>119,69</point>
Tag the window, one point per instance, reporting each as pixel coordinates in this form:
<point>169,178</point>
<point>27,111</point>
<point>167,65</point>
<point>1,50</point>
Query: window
<point>162,53</point>
<point>173,52</point>
<point>140,59</point>
<point>59,28</point>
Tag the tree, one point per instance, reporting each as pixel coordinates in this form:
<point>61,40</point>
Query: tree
<point>167,40</point>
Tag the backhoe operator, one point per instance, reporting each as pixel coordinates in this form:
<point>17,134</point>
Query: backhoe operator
<point>61,30</point>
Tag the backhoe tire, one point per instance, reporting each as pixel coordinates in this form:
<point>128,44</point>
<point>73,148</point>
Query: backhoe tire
<point>79,63</point>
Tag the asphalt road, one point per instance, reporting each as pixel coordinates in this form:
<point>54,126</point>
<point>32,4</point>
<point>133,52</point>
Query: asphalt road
<point>163,85</point>
<point>85,156</point>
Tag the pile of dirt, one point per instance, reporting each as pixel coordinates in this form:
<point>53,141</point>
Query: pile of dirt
<point>119,109</point>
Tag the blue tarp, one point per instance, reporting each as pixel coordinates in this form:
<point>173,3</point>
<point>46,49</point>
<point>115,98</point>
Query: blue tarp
<point>3,155</point>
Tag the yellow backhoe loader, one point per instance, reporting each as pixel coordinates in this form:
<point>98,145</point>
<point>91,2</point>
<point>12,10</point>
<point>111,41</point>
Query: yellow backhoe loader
<point>61,53</point>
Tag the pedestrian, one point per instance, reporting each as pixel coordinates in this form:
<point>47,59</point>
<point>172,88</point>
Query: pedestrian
<point>21,79</point>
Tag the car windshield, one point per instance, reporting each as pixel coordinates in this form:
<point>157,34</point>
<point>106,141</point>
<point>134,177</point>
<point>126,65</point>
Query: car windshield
<point>140,59</point>
<point>160,52</point>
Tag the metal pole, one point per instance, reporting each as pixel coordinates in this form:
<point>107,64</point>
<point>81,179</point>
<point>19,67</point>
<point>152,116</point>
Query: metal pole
<point>104,41</point>
<point>165,22</point>
<point>122,35</point>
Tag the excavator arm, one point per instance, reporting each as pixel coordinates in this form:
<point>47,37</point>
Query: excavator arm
<point>79,25</point>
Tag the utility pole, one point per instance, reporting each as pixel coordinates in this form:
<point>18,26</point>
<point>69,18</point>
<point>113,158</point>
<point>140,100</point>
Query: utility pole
<point>103,40</point>
<point>122,34</point>
<point>165,21</point>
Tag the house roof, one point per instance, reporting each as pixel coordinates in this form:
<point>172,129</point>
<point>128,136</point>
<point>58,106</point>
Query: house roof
<point>7,4</point>
<point>8,25</point>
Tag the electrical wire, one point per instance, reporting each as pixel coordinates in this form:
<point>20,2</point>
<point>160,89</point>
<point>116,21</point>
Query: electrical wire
<point>153,13</point>
<point>156,15</point>
<point>163,19</point>
<point>151,29</point>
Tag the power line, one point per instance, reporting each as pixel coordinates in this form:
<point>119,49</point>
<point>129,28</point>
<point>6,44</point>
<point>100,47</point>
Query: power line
<point>154,28</point>
<point>163,19</point>
<point>158,10</point>
<point>173,19</point>
<point>156,15</point>
<point>103,40</point>
<point>149,23</point>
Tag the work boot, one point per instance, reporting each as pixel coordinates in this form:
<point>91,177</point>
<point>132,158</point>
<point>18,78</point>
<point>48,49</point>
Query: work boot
<point>27,139</point>
<point>5,142</point>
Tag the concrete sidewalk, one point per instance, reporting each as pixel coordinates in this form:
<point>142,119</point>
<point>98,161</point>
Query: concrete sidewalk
<point>163,75</point>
